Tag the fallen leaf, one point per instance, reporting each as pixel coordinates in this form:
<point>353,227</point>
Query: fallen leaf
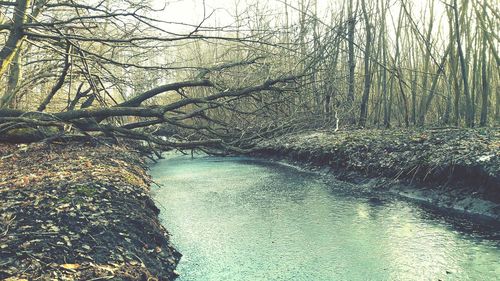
<point>70,266</point>
<point>26,180</point>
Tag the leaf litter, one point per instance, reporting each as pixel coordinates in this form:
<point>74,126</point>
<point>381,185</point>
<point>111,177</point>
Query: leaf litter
<point>459,161</point>
<point>79,211</point>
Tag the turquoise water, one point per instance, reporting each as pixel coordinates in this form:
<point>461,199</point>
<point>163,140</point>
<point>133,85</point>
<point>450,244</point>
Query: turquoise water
<point>243,219</point>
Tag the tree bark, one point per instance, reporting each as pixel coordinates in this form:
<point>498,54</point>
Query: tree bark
<point>368,74</point>
<point>469,119</point>
<point>16,35</point>
<point>351,25</point>
<point>7,100</point>
<point>484,75</point>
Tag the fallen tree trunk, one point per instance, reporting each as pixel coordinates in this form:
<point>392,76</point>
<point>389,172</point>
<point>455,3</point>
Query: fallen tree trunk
<point>132,119</point>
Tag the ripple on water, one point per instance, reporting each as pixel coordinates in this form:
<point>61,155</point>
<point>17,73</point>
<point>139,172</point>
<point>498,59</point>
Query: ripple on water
<point>239,219</point>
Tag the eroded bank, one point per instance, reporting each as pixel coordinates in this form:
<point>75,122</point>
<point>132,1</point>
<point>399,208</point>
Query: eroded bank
<point>449,168</point>
<point>79,212</point>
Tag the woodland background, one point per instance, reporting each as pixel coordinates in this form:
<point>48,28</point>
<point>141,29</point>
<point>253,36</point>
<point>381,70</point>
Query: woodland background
<point>252,67</point>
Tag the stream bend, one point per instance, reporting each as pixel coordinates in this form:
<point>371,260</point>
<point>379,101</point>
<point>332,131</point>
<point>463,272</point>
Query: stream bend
<point>246,219</point>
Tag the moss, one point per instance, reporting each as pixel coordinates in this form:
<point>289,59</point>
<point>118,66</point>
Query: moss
<point>23,133</point>
<point>85,191</point>
<point>28,134</point>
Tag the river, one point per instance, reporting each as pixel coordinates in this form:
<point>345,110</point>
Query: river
<point>243,219</point>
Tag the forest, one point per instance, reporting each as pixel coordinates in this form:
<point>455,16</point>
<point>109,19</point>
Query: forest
<point>276,140</point>
<point>119,68</point>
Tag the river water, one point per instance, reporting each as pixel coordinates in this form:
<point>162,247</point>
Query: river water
<point>246,219</point>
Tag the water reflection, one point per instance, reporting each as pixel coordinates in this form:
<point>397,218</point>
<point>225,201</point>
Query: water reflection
<point>239,219</point>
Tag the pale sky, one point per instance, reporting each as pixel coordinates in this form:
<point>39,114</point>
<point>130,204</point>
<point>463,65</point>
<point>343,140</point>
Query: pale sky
<point>192,11</point>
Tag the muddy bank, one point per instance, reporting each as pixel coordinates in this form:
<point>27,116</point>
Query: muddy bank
<point>449,168</point>
<point>79,212</point>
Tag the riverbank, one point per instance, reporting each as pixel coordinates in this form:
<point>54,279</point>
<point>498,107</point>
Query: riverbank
<point>447,168</point>
<point>79,212</point>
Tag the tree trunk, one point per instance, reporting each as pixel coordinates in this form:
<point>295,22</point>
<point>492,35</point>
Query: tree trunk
<point>7,100</point>
<point>426,102</point>
<point>15,36</point>
<point>484,78</point>
<point>368,75</point>
<point>426,70</point>
<point>469,120</point>
<point>351,25</point>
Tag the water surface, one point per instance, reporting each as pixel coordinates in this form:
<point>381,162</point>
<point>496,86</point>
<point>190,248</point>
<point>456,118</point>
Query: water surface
<point>244,219</point>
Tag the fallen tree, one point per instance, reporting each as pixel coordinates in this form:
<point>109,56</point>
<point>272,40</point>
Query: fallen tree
<point>131,119</point>
<point>94,71</point>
